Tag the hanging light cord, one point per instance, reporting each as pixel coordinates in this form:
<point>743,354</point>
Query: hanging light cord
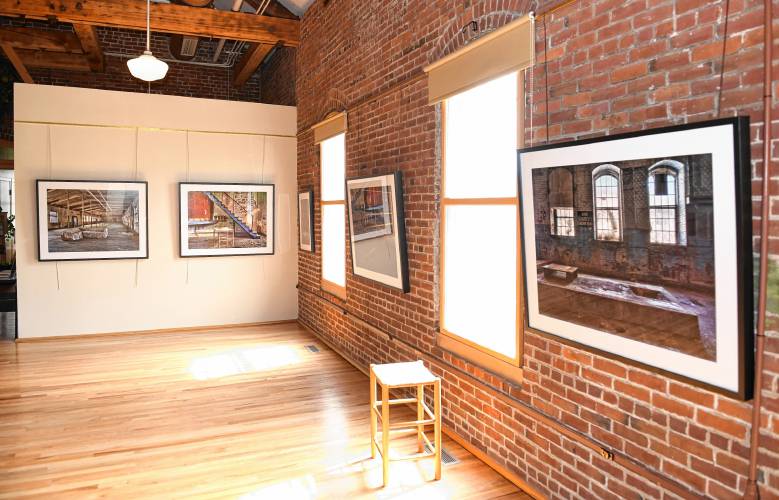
<point>148,25</point>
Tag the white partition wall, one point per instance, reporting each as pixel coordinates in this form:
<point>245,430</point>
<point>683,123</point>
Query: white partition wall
<point>83,134</point>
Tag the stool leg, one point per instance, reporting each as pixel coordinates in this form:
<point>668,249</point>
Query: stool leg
<point>437,412</point>
<point>385,433</point>
<point>373,413</point>
<point>420,416</point>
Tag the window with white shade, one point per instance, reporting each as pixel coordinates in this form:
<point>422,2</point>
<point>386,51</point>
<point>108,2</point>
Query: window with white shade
<point>480,219</point>
<point>333,225</point>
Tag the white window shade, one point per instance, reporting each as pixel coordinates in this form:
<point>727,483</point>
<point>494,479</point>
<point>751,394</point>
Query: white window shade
<point>480,280</point>
<point>333,167</point>
<point>481,141</point>
<point>333,244</point>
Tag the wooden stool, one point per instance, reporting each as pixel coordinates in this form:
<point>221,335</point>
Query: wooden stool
<point>405,375</point>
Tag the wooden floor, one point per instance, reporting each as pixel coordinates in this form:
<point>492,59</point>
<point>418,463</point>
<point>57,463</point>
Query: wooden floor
<point>244,413</point>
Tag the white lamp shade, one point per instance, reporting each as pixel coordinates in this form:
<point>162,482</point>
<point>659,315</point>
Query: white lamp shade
<point>148,68</point>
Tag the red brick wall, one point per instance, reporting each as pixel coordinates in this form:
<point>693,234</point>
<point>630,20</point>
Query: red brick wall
<point>277,77</point>
<point>613,65</point>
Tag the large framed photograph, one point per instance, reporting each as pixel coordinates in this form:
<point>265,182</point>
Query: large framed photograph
<point>92,220</point>
<point>638,245</point>
<point>377,229</point>
<point>226,219</point>
<point>306,220</point>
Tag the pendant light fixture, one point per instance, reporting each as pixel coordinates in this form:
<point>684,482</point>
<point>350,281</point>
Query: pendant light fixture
<point>146,67</point>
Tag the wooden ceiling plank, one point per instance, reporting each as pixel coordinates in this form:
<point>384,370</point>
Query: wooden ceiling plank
<point>57,60</point>
<point>169,18</point>
<point>33,38</point>
<point>12,56</point>
<point>250,61</point>
<point>90,44</point>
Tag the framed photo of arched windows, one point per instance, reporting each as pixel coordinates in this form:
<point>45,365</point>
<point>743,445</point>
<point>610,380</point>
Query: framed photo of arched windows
<point>638,245</point>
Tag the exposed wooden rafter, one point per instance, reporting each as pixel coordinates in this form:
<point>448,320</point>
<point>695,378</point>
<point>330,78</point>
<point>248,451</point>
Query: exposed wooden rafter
<point>57,60</point>
<point>250,61</point>
<point>33,39</point>
<point>90,45</point>
<point>17,63</point>
<point>169,18</point>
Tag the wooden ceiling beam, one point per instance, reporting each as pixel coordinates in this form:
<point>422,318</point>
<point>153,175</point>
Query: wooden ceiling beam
<point>56,60</point>
<point>17,63</point>
<point>32,38</point>
<point>90,44</point>
<point>275,9</point>
<point>168,18</point>
<point>250,61</point>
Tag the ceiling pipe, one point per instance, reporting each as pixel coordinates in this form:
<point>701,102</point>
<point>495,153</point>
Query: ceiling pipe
<point>752,490</point>
<point>219,46</point>
<point>238,45</point>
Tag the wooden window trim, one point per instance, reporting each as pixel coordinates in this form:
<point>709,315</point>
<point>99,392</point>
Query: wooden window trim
<point>333,288</point>
<point>498,363</point>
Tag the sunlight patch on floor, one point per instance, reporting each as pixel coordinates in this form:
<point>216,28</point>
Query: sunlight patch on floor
<point>302,488</point>
<point>240,361</point>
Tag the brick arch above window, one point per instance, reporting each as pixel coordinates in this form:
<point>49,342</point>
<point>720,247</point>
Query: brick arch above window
<point>456,34</point>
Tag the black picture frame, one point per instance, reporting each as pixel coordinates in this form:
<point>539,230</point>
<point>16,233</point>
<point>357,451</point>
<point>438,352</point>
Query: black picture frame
<point>43,254</point>
<point>739,382</point>
<point>311,240</point>
<point>398,232</point>
<point>185,252</point>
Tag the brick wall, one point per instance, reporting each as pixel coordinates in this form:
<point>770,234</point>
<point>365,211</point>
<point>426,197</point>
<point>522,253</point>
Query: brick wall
<point>613,66</point>
<point>277,77</point>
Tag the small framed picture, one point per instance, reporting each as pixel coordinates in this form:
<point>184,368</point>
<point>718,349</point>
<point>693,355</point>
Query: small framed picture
<point>638,245</point>
<point>92,220</point>
<point>377,229</point>
<point>219,219</point>
<point>306,220</point>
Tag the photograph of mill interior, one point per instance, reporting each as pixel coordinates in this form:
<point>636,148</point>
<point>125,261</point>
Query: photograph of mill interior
<point>540,257</point>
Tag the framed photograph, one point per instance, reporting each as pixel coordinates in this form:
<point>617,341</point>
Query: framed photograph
<point>226,219</point>
<point>638,245</point>
<point>92,220</point>
<point>306,220</point>
<point>377,229</point>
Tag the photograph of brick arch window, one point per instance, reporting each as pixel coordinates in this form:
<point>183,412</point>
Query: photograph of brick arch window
<point>640,245</point>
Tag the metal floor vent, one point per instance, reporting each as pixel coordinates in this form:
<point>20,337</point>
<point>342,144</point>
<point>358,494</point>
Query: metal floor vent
<point>446,458</point>
<point>312,348</point>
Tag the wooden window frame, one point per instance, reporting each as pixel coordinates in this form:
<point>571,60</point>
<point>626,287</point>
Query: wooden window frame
<point>325,284</point>
<point>496,362</point>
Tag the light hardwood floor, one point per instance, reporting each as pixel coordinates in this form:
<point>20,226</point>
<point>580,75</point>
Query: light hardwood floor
<point>244,413</point>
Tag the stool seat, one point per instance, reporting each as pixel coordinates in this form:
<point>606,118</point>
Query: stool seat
<point>403,374</point>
